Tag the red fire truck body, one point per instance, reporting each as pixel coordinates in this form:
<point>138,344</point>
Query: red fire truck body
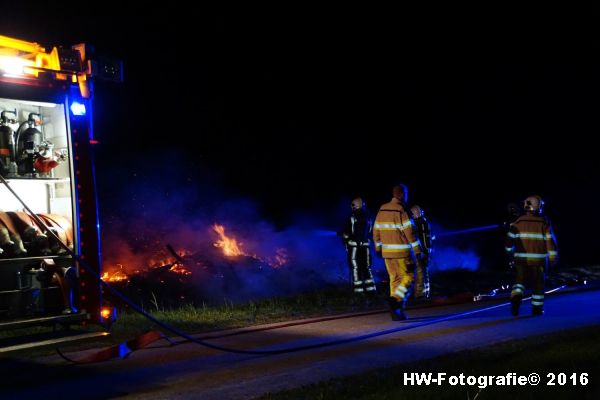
<point>47,159</point>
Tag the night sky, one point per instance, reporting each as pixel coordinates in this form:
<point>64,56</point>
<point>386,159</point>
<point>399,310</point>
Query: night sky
<point>300,111</point>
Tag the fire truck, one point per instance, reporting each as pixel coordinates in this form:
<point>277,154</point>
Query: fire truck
<point>48,187</point>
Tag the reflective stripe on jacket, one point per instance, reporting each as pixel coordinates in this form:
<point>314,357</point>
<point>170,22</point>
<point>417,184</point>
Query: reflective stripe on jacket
<point>393,232</point>
<point>531,240</point>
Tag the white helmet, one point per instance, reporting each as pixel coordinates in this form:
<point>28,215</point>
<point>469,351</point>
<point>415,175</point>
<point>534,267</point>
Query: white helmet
<point>417,212</point>
<point>534,204</point>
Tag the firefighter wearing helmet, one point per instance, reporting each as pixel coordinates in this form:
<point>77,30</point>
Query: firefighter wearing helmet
<point>423,232</point>
<point>357,239</point>
<point>532,245</point>
<point>395,240</point>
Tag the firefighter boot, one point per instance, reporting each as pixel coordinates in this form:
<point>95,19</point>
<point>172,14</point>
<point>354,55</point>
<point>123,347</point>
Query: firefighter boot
<point>371,297</point>
<point>515,304</point>
<point>537,310</point>
<point>400,310</point>
<point>397,309</point>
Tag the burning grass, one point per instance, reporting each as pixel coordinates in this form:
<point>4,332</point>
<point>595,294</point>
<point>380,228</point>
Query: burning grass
<point>218,264</point>
<point>185,262</point>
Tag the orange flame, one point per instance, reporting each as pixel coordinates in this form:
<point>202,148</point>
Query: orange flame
<point>179,269</point>
<point>230,246</point>
<point>117,276</point>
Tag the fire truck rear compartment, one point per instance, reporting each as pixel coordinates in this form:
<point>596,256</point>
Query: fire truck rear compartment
<point>25,291</point>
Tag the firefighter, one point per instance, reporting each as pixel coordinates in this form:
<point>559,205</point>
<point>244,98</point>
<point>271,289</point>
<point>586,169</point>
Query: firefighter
<point>423,233</point>
<point>513,212</point>
<point>396,242</point>
<point>532,245</point>
<point>356,236</point>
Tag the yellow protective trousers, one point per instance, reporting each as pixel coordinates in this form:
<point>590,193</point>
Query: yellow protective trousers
<point>402,273</point>
<point>422,287</point>
<point>532,276</point>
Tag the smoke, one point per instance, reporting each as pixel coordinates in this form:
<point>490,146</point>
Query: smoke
<point>148,212</point>
<point>457,249</point>
<point>447,257</point>
<point>144,211</point>
<point>312,263</point>
<point>275,262</point>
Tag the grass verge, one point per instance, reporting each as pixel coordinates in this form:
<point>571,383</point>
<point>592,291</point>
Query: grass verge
<point>225,316</point>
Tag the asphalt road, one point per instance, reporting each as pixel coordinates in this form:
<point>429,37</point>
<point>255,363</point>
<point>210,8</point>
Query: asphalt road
<point>190,371</point>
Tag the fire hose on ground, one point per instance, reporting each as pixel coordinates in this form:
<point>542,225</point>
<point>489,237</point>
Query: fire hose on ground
<point>126,348</point>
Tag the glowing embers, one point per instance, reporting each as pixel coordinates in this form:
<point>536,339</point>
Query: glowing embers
<point>179,269</point>
<point>166,265</point>
<point>214,256</point>
<point>115,276</point>
<point>230,246</point>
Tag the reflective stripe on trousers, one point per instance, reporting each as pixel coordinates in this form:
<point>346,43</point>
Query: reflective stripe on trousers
<point>533,277</point>
<point>354,265</point>
<point>401,273</point>
<point>422,279</point>
<point>359,259</point>
<point>537,300</point>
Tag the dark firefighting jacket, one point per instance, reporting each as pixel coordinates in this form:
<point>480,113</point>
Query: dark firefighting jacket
<point>357,230</point>
<point>423,232</point>
<point>530,241</point>
<point>393,232</point>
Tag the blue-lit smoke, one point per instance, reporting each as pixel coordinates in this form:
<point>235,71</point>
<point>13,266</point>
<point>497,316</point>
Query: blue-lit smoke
<point>448,257</point>
<point>154,208</point>
<point>150,211</point>
<point>454,248</point>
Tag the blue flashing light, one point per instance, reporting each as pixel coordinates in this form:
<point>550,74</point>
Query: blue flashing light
<point>78,108</point>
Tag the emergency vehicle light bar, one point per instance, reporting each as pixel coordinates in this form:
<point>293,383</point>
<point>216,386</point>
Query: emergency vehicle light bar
<point>29,61</point>
<point>27,55</point>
